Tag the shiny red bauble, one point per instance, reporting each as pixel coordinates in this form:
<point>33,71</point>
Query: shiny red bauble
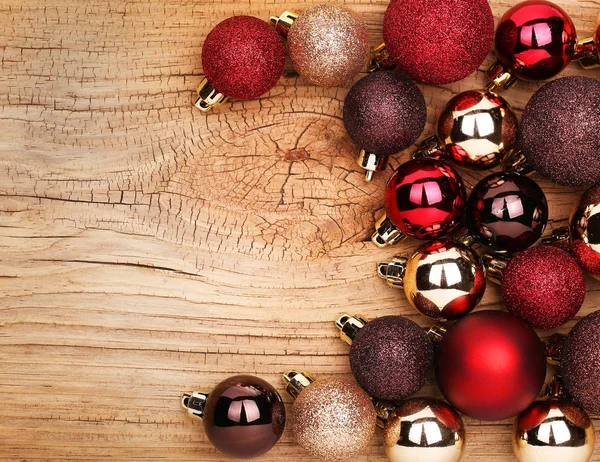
<point>425,198</point>
<point>490,365</point>
<point>243,57</point>
<point>535,40</point>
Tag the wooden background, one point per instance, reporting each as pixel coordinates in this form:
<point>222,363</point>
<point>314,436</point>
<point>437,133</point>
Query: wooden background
<point>147,249</point>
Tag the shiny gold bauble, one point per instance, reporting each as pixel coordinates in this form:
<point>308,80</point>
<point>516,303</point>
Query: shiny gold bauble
<point>424,430</point>
<point>477,129</point>
<point>333,419</point>
<point>584,228</point>
<point>444,279</point>
<point>553,430</point>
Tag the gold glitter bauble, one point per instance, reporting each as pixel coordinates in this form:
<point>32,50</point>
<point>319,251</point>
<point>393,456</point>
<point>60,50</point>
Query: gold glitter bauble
<point>333,418</point>
<point>424,430</point>
<point>329,45</point>
<point>553,430</point>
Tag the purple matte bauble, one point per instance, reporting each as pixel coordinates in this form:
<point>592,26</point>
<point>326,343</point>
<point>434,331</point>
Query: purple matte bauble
<point>384,113</point>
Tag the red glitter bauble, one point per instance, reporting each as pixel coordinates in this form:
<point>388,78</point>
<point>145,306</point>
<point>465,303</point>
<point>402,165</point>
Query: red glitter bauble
<point>425,198</point>
<point>438,42</point>
<point>535,40</point>
<point>543,285</point>
<point>243,57</point>
<point>580,363</point>
<point>490,365</point>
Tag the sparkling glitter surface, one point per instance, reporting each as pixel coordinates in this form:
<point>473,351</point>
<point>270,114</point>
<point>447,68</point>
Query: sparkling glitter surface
<point>559,131</point>
<point>437,41</point>
<point>384,113</point>
<point>543,285</point>
<point>333,419</point>
<point>243,57</point>
<point>391,358</point>
<point>580,363</point>
<point>329,45</point>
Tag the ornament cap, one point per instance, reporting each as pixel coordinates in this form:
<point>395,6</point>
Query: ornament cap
<point>383,410</point>
<point>436,333</point>
<point>393,271</point>
<point>430,148</point>
<point>560,237</point>
<point>495,266</point>
<point>386,233</point>
<point>500,77</point>
<point>554,346</point>
<point>208,97</point>
<point>556,388</point>
<point>349,326</point>
<point>516,162</point>
<point>380,60</point>
<point>296,382</point>
<point>284,22</point>
<point>194,403</point>
<point>587,52</point>
<point>371,162</point>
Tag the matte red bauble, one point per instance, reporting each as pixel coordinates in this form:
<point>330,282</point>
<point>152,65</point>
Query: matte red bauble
<point>490,365</point>
<point>535,40</point>
<point>424,198</point>
<point>438,42</point>
<point>544,285</point>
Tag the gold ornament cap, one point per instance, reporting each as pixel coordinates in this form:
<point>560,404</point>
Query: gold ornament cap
<point>386,233</point>
<point>349,326</point>
<point>194,403</point>
<point>296,382</point>
<point>208,97</point>
<point>495,265</point>
<point>500,77</point>
<point>371,163</point>
<point>380,60</point>
<point>284,22</point>
<point>393,271</point>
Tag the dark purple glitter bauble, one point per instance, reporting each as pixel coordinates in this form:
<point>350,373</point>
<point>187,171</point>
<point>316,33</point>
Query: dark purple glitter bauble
<point>391,358</point>
<point>544,285</point>
<point>384,113</point>
<point>580,363</point>
<point>560,133</point>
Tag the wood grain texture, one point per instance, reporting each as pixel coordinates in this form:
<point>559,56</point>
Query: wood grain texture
<point>147,249</point>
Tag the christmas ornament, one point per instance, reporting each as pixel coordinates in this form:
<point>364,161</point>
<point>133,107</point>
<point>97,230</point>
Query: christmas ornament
<point>507,211</point>
<point>243,416</point>
<point>584,230</point>
<point>580,363</point>
<point>421,430</point>
<point>544,285</point>
<point>535,40</point>
<point>391,357</point>
<point>424,198</point>
<point>490,365</point>
<point>559,131</point>
<point>331,418</point>
<point>443,279</point>
<point>328,44</point>
<point>242,58</point>
<point>436,42</point>
<point>384,113</point>
<point>553,429</point>
<point>476,129</point>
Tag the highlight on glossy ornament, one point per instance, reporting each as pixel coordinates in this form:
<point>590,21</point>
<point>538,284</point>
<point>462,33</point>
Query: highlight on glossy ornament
<point>331,418</point>
<point>580,363</point>
<point>242,58</point>
<point>553,429</point>
<point>435,42</point>
<point>559,132</point>
<point>476,129</point>
<point>490,365</point>
<point>543,285</point>
<point>536,40</point>
<point>443,279</point>
<point>507,212</point>
<point>424,199</point>
<point>243,416</point>
<point>391,357</point>
<point>384,113</point>
<point>421,430</point>
<point>327,43</point>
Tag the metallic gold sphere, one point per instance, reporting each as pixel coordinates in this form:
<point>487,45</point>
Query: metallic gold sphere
<point>328,45</point>
<point>444,279</point>
<point>477,129</point>
<point>333,419</point>
<point>584,227</point>
<point>424,430</point>
<point>553,430</point>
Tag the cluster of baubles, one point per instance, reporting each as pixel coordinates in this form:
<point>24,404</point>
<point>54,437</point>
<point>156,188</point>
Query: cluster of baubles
<point>489,365</point>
